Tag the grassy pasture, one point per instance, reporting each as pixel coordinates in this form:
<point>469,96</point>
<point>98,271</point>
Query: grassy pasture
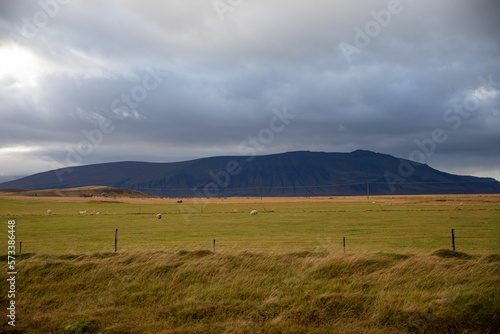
<point>282,271</point>
<point>407,224</point>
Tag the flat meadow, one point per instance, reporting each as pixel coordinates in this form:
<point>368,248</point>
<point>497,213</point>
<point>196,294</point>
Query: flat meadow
<point>284,270</point>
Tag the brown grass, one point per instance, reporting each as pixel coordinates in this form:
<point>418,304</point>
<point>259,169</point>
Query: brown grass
<point>73,192</point>
<point>73,196</point>
<point>243,292</point>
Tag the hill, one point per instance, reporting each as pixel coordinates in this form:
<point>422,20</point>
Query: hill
<point>301,173</point>
<point>90,191</point>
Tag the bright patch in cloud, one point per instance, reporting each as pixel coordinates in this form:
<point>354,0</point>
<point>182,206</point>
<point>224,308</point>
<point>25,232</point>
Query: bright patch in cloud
<point>20,65</point>
<point>14,150</point>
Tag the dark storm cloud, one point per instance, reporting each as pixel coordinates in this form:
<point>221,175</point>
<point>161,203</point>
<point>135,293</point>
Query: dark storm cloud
<point>175,81</point>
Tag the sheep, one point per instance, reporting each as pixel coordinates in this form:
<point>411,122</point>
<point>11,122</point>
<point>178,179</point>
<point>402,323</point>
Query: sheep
<point>158,216</point>
<point>83,212</point>
<point>97,213</point>
<point>253,212</point>
<point>49,212</point>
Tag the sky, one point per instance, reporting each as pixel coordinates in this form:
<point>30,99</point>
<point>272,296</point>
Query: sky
<point>86,82</point>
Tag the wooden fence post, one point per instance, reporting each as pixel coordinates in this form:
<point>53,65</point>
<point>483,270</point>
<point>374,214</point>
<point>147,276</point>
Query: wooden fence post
<point>344,244</point>
<point>116,240</point>
<point>214,245</point>
<point>453,238</point>
<point>20,247</point>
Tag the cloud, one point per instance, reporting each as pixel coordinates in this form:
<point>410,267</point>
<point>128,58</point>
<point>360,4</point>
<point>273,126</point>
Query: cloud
<point>218,81</point>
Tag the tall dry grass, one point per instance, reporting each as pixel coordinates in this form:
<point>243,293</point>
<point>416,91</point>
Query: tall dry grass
<point>242,292</point>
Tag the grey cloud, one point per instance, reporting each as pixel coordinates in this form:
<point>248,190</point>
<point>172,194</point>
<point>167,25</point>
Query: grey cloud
<point>226,76</point>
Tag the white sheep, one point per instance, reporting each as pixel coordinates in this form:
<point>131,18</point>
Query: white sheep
<point>158,216</point>
<point>97,213</point>
<point>49,212</point>
<point>83,212</point>
<point>253,212</point>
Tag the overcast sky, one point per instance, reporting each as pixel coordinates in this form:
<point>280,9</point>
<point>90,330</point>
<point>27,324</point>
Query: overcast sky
<point>96,81</point>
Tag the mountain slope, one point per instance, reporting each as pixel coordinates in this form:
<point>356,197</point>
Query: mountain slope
<point>299,173</point>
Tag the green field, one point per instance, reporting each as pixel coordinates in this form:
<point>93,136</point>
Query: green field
<point>415,225</point>
<point>281,271</point>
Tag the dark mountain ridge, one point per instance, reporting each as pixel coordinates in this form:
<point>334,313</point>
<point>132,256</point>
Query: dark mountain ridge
<point>300,173</point>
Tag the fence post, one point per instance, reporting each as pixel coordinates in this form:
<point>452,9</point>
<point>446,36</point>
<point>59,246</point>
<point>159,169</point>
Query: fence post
<point>453,238</point>
<point>344,244</point>
<point>214,245</point>
<point>20,247</point>
<point>116,240</point>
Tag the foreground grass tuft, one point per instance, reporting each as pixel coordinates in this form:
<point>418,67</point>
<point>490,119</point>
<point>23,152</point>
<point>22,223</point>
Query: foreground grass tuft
<point>244,292</point>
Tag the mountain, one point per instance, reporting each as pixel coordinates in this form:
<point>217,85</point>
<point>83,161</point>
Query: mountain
<point>301,173</point>
<point>9,178</point>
